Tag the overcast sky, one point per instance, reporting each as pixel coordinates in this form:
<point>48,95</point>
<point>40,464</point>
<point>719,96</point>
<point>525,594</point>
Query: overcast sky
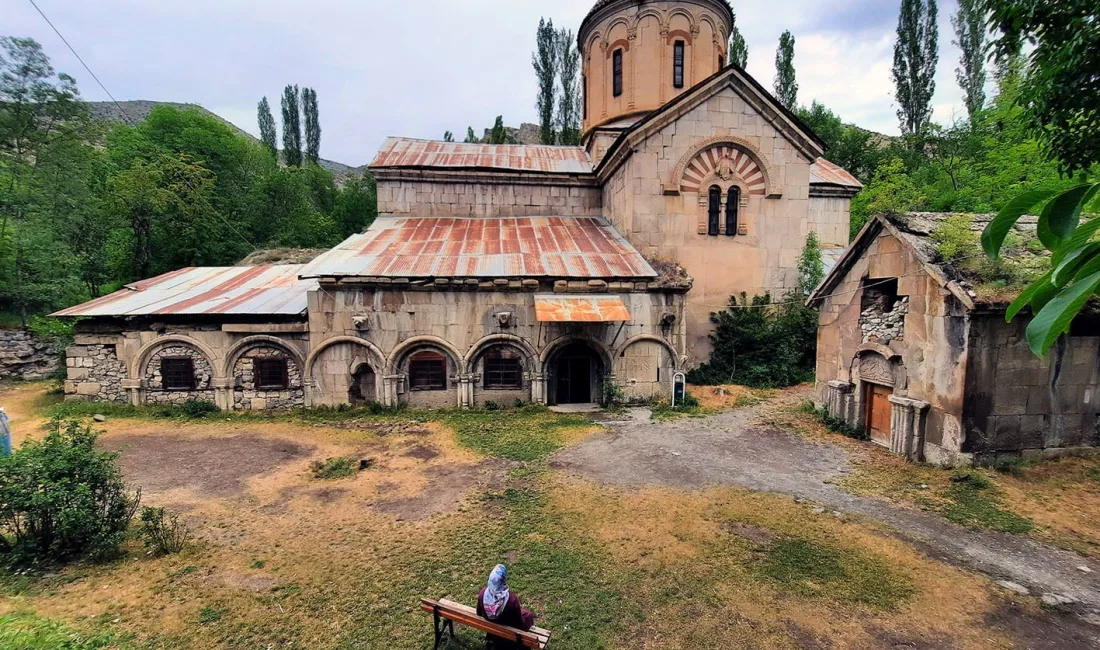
<point>420,67</point>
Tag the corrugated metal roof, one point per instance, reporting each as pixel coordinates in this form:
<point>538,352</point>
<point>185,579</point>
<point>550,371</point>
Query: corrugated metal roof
<point>409,152</point>
<point>580,309</point>
<point>824,172</point>
<point>503,247</point>
<point>234,290</point>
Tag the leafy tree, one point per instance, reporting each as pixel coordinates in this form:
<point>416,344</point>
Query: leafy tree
<point>786,87</point>
<point>970,37</point>
<point>891,191</point>
<point>811,268</point>
<point>292,129</point>
<point>916,54</point>
<point>545,61</point>
<point>499,134</point>
<point>1061,66</point>
<point>267,127</point>
<point>846,145</point>
<point>61,498</point>
<point>569,103</point>
<point>739,50</point>
<point>448,136</point>
<point>356,205</point>
<point>470,135</point>
<point>312,124</point>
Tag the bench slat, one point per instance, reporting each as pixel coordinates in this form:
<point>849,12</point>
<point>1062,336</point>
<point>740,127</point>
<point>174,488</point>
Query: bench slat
<point>467,616</point>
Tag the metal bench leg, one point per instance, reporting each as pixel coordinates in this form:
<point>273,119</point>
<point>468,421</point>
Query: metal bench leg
<point>444,631</point>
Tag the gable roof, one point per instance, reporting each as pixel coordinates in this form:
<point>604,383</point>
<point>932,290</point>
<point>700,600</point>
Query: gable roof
<point>484,247</point>
<point>824,172</point>
<point>235,290</point>
<point>914,231</point>
<point>411,153</point>
<point>783,119</point>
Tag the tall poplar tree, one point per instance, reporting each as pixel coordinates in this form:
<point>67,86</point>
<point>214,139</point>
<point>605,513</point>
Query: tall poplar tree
<point>970,37</point>
<point>916,54</point>
<point>448,136</point>
<point>292,128</point>
<point>786,88</point>
<point>569,101</point>
<point>739,50</point>
<point>471,137</point>
<point>267,127</point>
<point>545,61</point>
<point>312,124</point>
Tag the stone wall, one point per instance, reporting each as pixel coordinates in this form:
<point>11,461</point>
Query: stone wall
<point>428,198</point>
<point>383,327</point>
<point>94,372</point>
<point>22,356</point>
<point>246,396</point>
<point>1018,403</point>
<point>156,393</point>
<point>830,218</point>
<point>881,326</point>
<point>927,365</point>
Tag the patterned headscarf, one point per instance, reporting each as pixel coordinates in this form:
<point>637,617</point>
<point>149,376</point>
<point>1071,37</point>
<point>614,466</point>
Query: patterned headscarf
<point>496,594</point>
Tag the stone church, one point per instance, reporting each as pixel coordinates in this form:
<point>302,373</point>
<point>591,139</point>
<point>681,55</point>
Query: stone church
<point>504,273</point>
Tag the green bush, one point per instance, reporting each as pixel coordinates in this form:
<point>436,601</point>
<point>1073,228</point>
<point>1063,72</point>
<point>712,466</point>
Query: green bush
<point>198,408</point>
<point>62,499</point>
<point>163,532</point>
<point>760,344</point>
<point>836,425</point>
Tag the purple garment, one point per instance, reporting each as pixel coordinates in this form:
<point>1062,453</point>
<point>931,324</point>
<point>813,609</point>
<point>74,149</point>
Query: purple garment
<point>512,614</point>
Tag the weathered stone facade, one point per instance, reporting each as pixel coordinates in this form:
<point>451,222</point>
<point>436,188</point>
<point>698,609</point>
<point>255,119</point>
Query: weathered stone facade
<point>246,394</point>
<point>23,356</point>
<point>965,385</point>
<point>95,372</point>
<point>155,390</point>
<point>482,195</point>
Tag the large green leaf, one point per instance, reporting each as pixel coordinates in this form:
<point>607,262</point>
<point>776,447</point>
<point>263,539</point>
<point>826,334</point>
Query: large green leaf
<point>994,234</point>
<point>1065,271</point>
<point>1054,319</point>
<point>1088,268</point>
<point>1062,214</point>
<point>1026,295</point>
<point>1080,239</point>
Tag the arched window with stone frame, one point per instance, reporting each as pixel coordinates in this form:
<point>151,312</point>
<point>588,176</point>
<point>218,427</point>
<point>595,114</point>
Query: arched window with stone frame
<point>714,209</point>
<point>733,207</point>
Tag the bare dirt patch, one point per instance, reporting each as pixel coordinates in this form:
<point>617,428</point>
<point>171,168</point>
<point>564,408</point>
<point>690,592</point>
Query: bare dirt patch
<point>213,467</point>
<point>423,452</point>
<point>448,485</point>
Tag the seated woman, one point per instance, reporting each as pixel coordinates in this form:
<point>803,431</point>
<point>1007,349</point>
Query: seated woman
<point>501,606</point>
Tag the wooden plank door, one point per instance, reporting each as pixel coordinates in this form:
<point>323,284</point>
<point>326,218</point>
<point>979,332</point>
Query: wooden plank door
<point>879,413</point>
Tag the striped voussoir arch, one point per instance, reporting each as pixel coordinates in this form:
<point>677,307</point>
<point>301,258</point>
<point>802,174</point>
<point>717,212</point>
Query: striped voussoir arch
<point>733,162</point>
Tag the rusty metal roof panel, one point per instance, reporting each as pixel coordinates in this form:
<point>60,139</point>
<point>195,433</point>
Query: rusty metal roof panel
<point>234,290</point>
<point>503,247</point>
<point>553,308</point>
<point>413,153</point>
<point>826,173</point>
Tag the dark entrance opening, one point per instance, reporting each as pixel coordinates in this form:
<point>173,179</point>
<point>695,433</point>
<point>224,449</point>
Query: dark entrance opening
<point>362,388</point>
<point>577,370</point>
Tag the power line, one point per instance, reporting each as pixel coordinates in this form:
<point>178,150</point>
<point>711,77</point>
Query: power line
<point>130,121</point>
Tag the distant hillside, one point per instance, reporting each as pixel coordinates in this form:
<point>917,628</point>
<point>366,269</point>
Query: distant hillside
<point>139,109</point>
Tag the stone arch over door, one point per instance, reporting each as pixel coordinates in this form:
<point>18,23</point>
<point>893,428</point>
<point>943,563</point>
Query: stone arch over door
<point>332,366</point>
<point>563,367</point>
<point>242,371</point>
<point>455,388</point>
<point>878,375</point>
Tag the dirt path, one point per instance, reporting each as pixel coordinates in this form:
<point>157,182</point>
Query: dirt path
<point>731,449</point>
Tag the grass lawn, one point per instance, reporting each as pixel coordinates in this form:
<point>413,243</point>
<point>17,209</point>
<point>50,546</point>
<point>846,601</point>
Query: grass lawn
<point>283,559</point>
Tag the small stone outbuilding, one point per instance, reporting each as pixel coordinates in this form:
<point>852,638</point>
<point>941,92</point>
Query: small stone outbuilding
<point>911,350</point>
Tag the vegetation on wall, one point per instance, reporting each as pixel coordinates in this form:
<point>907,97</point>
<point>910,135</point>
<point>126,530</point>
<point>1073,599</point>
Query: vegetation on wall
<point>85,208</point>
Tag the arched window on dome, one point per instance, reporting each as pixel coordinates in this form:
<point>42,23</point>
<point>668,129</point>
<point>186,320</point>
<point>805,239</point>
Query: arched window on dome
<point>733,203</point>
<point>714,209</point>
<point>617,73</point>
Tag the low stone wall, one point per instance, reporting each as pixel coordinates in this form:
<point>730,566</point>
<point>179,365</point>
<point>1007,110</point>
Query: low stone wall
<point>22,356</point>
<point>94,372</point>
<point>245,394</point>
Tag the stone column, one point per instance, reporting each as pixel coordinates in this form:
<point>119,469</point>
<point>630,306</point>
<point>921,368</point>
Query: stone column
<point>133,386</point>
<point>839,401</point>
<point>538,387</point>
<point>223,392</point>
<point>391,388</point>
<point>907,427</point>
<point>465,390</point>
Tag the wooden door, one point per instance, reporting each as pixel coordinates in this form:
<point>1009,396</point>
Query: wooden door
<point>879,413</point>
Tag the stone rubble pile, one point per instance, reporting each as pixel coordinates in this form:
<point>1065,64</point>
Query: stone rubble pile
<point>887,326</point>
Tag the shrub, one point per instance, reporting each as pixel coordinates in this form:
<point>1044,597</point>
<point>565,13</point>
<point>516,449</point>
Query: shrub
<point>613,394</point>
<point>333,468</point>
<point>61,498</point>
<point>198,408</point>
<point>836,425</point>
<point>490,405</point>
<point>163,532</point>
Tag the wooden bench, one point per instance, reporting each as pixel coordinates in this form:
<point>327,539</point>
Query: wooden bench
<point>447,613</point>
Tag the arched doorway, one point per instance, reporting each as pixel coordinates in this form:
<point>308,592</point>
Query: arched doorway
<point>576,374</point>
<point>877,379</point>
